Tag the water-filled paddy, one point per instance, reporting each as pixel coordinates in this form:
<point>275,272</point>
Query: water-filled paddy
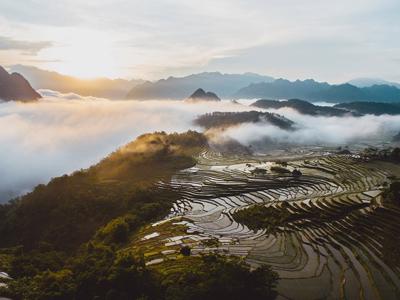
<point>340,240</point>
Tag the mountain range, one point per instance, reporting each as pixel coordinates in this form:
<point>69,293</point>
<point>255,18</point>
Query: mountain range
<point>302,107</point>
<point>372,108</point>
<point>225,85</point>
<point>366,82</point>
<point>227,119</point>
<point>228,86</point>
<point>99,87</point>
<point>15,87</point>
<point>201,95</point>
<point>355,109</point>
<point>319,91</point>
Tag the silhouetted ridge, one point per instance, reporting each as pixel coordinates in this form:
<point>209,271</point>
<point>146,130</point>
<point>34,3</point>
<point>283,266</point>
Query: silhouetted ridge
<point>319,91</point>
<point>201,95</point>
<point>372,108</point>
<point>15,87</point>
<point>225,85</point>
<point>282,89</point>
<point>97,87</point>
<point>302,107</point>
<point>358,108</point>
<point>227,119</point>
<point>367,82</point>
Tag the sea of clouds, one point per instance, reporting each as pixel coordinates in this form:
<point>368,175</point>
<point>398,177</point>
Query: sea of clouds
<point>66,132</point>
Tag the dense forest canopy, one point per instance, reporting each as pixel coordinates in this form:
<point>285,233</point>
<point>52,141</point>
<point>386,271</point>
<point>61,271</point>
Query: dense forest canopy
<point>302,107</point>
<point>76,237</point>
<point>226,119</point>
<point>71,207</point>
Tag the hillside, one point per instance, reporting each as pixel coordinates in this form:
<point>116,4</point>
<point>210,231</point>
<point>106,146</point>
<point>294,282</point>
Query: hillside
<point>224,85</point>
<point>201,95</point>
<point>282,89</point>
<point>76,205</point>
<point>90,235</point>
<point>358,108</point>
<point>98,87</point>
<point>319,91</point>
<point>373,108</point>
<point>302,107</point>
<point>366,82</point>
<point>15,87</point>
<point>227,119</point>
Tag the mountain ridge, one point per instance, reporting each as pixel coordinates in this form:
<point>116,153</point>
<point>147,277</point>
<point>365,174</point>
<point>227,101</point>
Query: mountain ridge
<point>177,88</point>
<point>319,91</point>
<point>302,107</point>
<point>98,87</point>
<point>355,109</point>
<point>201,95</point>
<point>235,86</point>
<point>367,82</point>
<point>14,86</point>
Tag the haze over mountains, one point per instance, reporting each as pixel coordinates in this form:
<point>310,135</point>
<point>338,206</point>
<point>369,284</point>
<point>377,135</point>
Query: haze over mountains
<point>98,87</point>
<point>227,119</point>
<point>319,91</point>
<point>251,86</point>
<point>366,82</point>
<point>224,85</point>
<point>302,107</point>
<point>354,109</point>
<point>372,108</point>
<point>201,95</point>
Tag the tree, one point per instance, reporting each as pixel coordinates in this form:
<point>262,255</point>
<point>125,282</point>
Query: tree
<point>218,277</point>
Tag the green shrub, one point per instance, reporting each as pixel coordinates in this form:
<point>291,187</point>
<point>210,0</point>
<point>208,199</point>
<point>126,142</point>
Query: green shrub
<point>218,277</point>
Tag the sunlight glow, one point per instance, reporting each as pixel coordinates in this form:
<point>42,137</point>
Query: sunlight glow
<point>86,56</point>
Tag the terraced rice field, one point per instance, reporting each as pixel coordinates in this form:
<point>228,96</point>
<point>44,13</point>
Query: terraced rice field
<point>348,251</point>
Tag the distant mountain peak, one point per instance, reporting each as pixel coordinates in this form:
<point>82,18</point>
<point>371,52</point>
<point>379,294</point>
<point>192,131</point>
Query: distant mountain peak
<point>97,87</point>
<point>225,85</point>
<point>368,82</point>
<point>198,93</point>
<point>201,95</point>
<point>15,87</point>
<point>319,91</point>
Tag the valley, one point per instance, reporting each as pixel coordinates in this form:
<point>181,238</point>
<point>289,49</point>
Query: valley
<point>199,150</point>
<point>333,238</point>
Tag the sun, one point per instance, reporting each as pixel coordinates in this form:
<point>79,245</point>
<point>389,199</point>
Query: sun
<point>86,56</point>
<point>88,62</point>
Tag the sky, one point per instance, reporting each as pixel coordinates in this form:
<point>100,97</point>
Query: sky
<point>332,41</point>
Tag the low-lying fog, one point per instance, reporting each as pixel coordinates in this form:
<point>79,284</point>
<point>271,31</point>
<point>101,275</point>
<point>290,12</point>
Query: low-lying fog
<point>65,132</point>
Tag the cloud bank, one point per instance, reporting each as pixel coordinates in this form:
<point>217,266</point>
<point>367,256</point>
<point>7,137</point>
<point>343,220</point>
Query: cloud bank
<point>66,132</point>
<point>26,47</point>
<point>329,131</point>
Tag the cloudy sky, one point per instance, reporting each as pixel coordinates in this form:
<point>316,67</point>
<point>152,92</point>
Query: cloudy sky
<point>328,40</point>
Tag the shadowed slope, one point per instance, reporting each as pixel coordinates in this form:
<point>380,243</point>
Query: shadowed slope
<point>15,87</point>
<point>301,106</point>
<point>68,210</point>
